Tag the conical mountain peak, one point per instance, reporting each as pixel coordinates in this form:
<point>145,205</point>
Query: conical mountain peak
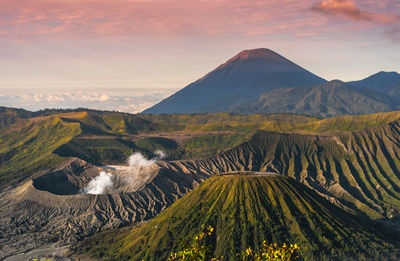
<point>262,59</point>
<point>260,53</point>
<point>238,82</point>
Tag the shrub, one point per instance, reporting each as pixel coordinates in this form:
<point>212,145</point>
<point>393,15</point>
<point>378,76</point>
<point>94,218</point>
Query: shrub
<point>199,250</point>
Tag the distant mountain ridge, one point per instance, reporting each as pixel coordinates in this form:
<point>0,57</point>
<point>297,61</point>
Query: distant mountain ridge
<point>381,81</point>
<point>387,83</point>
<point>262,81</point>
<point>323,100</point>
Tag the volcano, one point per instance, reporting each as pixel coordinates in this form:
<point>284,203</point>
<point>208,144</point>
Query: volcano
<point>262,81</point>
<point>240,80</point>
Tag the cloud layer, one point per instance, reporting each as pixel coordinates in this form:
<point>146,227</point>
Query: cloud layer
<point>100,101</point>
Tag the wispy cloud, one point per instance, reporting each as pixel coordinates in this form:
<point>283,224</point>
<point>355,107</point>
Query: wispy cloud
<point>349,9</point>
<point>72,18</point>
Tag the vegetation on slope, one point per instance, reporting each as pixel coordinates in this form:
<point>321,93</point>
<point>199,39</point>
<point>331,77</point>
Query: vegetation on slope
<point>109,137</point>
<point>285,123</point>
<point>348,123</point>
<point>245,210</point>
<point>114,150</point>
<point>116,123</point>
<point>206,145</point>
<point>200,250</point>
<point>27,149</point>
<point>358,170</point>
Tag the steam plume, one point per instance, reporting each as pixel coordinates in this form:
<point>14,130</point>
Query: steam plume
<point>159,155</point>
<point>139,171</point>
<point>99,184</point>
<point>142,169</point>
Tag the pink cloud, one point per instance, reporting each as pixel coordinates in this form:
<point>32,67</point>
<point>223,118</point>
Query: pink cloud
<point>72,19</point>
<point>77,18</point>
<point>349,9</point>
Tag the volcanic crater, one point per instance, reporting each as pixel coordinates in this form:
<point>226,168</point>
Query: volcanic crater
<point>74,177</point>
<point>52,206</point>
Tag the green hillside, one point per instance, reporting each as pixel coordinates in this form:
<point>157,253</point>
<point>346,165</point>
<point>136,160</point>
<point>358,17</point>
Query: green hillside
<point>245,210</point>
<point>358,170</point>
<point>27,147</point>
<point>31,142</point>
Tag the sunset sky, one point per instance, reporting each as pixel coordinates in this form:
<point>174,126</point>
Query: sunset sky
<point>150,48</point>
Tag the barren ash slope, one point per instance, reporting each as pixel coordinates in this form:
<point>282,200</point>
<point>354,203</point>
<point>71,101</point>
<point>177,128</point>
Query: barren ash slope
<point>51,207</point>
<point>262,81</point>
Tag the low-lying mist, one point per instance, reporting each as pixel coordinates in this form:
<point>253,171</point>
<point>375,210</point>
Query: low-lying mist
<point>132,177</point>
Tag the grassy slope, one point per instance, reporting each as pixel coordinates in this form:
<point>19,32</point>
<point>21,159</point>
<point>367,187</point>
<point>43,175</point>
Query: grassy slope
<point>348,123</point>
<point>114,150</point>
<point>117,125</point>
<point>202,146</point>
<point>245,211</point>
<point>27,148</point>
<point>123,123</point>
<point>361,168</point>
<point>286,123</point>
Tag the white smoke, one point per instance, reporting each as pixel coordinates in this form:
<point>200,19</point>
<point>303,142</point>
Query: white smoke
<point>99,184</point>
<point>160,155</point>
<point>139,171</point>
<point>137,161</point>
